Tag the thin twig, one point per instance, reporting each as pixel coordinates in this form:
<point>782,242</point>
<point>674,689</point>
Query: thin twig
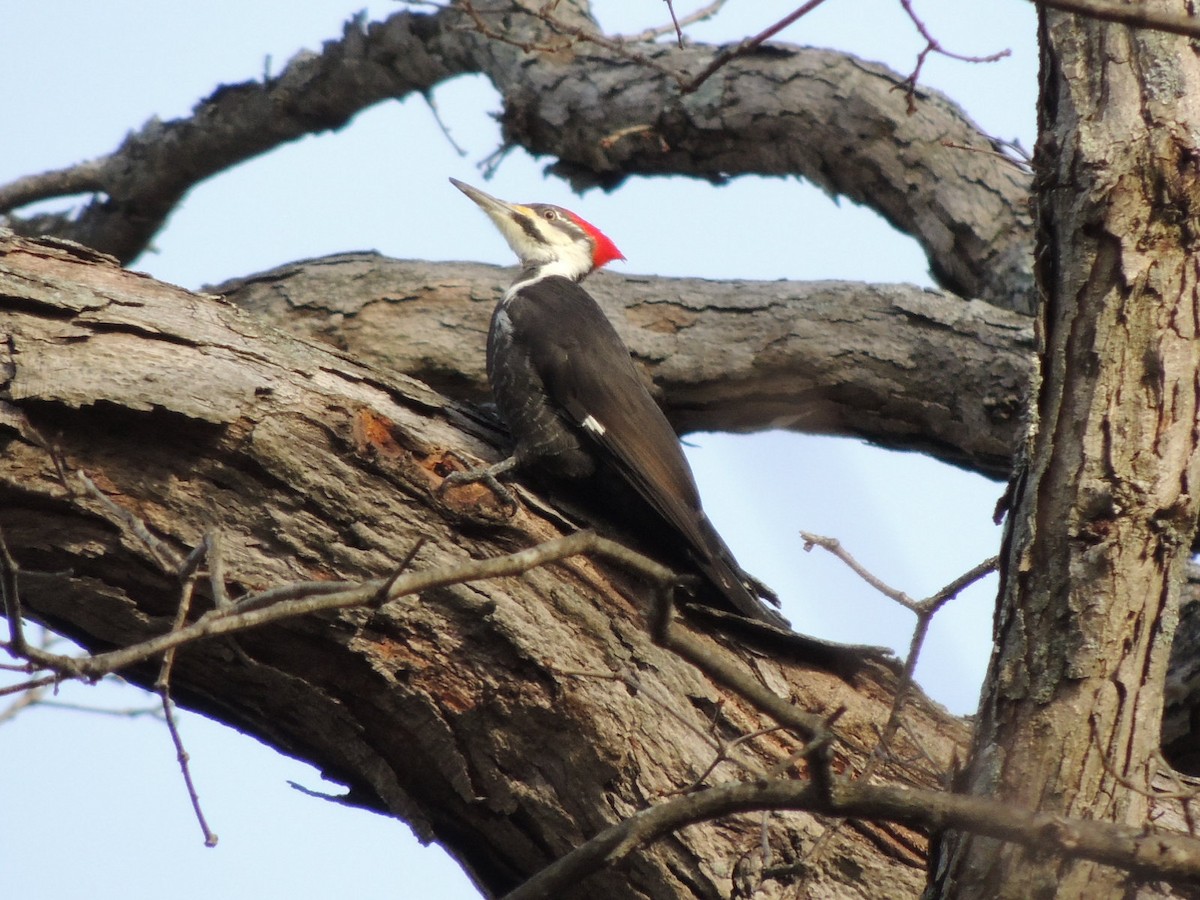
<point>932,45</point>
<point>834,546</point>
<point>216,570</point>
<point>662,615</point>
<point>1021,162</point>
<point>571,35</point>
<point>32,685</point>
<point>726,56</point>
<point>723,754</point>
<point>9,587</point>
<point>249,613</point>
<point>210,838</point>
<point>924,610</point>
<point>162,684</point>
<point>166,558</point>
<point>132,712</point>
<point>651,692</point>
<point>1125,781</point>
<point>386,588</point>
<point>30,696</point>
<point>437,118</point>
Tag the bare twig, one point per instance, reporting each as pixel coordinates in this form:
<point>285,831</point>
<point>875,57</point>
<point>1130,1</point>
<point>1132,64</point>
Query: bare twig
<point>724,752</point>
<point>924,610</point>
<point>188,573</point>
<point>570,36</point>
<point>1020,161</point>
<point>717,668</point>
<point>29,696</point>
<point>1185,793</point>
<point>932,45</point>
<point>216,570</point>
<point>9,587</point>
<point>167,559</point>
<point>652,695</point>
<point>431,102</point>
<point>131,712</point>
<point>32,685</point>
<point>675,22</point>
<point>318,597</point>
<point>725,56</point>
<point>834,546</point>
<point>210,838</point>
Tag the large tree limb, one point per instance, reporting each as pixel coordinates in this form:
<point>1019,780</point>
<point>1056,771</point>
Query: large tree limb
<point>1104,505</point>
<point>824,116</point>
<point>509,719</point>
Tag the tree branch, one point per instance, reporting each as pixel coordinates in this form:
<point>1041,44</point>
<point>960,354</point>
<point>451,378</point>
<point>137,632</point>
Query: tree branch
<point>900,366</point>
<point>1137,16</point>
<point>604,117</point>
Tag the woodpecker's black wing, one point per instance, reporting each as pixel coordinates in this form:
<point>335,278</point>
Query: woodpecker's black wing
<point>587,376</point>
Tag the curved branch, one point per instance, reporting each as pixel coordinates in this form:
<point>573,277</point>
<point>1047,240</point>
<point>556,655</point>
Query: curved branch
<point>508,720</point>
<point>605,115</point>
<point>144,179</point>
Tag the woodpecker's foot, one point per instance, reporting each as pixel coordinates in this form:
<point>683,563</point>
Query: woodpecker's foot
<point>489,477</point>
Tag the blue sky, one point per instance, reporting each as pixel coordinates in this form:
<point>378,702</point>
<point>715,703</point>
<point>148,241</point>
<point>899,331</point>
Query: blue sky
<point>93,804</point>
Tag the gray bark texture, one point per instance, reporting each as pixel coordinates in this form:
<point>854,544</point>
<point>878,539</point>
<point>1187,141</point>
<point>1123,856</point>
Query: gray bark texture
<point>903,367</point>
<point>604,112</point>
<point>1106,501</point>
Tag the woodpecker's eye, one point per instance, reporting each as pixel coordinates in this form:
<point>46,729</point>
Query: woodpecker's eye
<point>550,215</point>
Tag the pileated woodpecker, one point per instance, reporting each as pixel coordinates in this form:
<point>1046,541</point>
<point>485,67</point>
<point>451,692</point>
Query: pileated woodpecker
<point>577,408</point>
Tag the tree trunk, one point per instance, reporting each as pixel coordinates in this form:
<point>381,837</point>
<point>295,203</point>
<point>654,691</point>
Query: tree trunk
<point>1105,506</point>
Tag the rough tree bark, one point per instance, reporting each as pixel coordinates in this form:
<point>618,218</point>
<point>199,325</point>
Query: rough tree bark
<point>1105,506</point>
<point>509,720</point>
<point>904,367</point>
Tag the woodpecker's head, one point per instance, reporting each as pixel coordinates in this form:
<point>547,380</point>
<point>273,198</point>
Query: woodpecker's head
<point>549,239</point>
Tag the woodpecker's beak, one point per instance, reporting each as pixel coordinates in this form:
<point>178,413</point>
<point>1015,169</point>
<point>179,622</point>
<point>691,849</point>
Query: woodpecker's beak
<point>518,224</point>
<point>494,207</point>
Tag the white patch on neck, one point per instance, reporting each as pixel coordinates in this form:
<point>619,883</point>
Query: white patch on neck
<point>563,267</point>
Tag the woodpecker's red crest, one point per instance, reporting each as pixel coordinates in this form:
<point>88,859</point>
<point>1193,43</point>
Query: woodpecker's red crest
<point>604,250</point>
<point>550,239</point>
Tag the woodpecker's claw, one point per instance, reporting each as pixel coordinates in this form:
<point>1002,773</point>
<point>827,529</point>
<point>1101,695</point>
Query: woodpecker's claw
<point>489,477</point>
